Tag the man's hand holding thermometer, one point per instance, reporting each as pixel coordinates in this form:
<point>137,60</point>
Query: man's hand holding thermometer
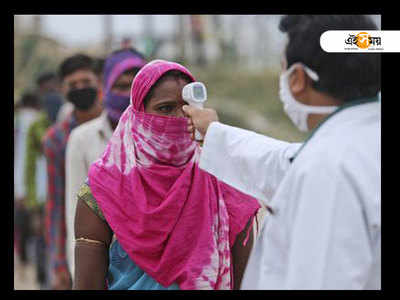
<point>195,94</point>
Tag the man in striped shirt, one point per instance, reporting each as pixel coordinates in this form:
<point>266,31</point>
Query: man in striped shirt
<point>80,86</point>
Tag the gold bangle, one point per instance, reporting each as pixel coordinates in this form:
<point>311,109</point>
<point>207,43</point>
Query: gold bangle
<point>81,239</point>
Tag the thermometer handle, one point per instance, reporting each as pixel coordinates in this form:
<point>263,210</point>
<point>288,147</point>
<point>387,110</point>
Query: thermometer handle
<point>197,135</point>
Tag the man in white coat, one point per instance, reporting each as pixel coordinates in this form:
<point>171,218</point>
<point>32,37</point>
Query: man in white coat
<point>324,231</point>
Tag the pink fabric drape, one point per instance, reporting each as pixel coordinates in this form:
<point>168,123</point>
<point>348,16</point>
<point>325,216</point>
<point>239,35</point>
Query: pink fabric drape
<point>175,221</point>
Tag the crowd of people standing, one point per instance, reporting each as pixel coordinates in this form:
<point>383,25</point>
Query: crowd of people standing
<point>43,120</point>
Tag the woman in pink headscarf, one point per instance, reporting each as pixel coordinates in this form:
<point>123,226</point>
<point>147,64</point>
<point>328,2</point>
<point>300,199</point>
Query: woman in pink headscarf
<point>148,217</point>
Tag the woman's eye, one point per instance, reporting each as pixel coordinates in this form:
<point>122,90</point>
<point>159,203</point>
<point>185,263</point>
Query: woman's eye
<point>166,108</point>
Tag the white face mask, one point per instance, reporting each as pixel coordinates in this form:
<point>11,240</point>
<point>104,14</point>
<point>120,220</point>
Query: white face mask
<point>298,112</point>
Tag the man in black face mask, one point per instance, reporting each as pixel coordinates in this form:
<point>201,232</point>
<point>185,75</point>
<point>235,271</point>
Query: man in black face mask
<point>80,86</point>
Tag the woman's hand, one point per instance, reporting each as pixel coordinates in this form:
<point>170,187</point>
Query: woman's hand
<point>199,119</point>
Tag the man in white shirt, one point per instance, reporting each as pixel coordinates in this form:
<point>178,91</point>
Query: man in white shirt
<point>26,112</point>
<point>88,141</point>
<point>324,231</point>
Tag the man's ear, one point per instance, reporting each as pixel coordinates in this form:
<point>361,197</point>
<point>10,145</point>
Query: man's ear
<point>64,88</point>
<point>100,90</point>
<point>100,83</point>
<point>298,82</point>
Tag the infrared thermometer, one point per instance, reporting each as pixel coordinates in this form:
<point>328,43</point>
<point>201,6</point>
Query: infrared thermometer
<point>195,94</point>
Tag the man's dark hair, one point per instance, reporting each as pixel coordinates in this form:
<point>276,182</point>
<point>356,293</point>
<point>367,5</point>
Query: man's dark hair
<point>172,74</point>
<point>75,63</point>
<point>29,99</point>
<point>99,66</point>
<point>345,76</point>
<point>45,77</point>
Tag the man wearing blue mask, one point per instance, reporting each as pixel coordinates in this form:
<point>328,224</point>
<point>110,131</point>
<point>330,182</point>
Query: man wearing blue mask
<point>80,85</point>
<point>87,142</point>
<point>324,227</point>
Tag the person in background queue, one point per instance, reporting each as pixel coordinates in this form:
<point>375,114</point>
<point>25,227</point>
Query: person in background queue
<point>80,86</point>
<point>26,111</point>
<point>88,141</point>
<point>49,90</point>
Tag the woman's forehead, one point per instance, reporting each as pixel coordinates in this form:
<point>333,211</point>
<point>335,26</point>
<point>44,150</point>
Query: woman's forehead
<point>170,86</point>
<point>147,81</point>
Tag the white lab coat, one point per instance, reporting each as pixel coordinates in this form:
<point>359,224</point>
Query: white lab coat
<point>326,229</point>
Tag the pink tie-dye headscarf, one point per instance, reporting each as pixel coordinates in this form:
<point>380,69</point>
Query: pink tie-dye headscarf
<point>174,220</point>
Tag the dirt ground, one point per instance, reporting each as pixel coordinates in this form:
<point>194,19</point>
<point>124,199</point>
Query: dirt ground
<point>24,276</point>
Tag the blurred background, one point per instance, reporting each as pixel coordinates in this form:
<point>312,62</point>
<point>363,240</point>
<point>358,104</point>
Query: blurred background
<point>236,56</point>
